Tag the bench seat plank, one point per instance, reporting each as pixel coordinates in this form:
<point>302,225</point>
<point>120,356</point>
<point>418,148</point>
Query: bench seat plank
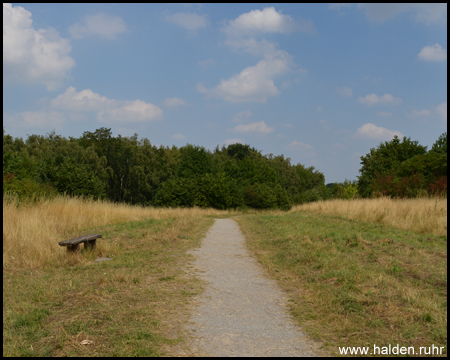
<point>79,240</point>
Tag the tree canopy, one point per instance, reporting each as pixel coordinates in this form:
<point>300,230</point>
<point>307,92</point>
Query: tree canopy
<point>126,169</point>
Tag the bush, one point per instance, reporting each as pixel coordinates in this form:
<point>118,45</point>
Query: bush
<point>27,189</point>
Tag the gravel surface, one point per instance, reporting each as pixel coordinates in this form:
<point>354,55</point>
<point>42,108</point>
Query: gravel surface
<point>241,312</point>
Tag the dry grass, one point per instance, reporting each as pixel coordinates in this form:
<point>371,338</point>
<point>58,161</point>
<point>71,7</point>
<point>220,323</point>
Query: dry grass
<point>31,232</point>
<point>133,305</point>
<point>421,215</point>
<point>355,283</point>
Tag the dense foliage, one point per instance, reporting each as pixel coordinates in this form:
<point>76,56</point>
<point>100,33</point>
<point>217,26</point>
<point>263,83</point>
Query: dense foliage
<point>404,169</point>
<point>125,169</point>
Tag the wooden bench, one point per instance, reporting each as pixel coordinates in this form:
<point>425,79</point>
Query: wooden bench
<point>73,244</point>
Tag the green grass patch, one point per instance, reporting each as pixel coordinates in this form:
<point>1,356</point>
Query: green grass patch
<point>133,305</point>
<point>354,283</point>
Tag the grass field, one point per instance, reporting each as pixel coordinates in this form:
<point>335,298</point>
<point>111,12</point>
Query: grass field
<point>133,305</point>
<point>421,215</point>
<point>355,283</point>
<point>354,277</point>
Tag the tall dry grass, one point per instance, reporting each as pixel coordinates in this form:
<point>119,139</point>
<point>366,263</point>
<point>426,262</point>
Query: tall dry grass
<point>421,215</point>
<point>31,232</point>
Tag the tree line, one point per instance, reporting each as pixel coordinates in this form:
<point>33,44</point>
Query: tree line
<point>126,169</point>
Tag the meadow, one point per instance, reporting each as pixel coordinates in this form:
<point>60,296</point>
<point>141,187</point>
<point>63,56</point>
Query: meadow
<point>360,272</point>
<point>356,272</point>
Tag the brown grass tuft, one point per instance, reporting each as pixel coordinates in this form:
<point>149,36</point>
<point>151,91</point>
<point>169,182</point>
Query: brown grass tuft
<point>422,215</point>
<point>31,232</point>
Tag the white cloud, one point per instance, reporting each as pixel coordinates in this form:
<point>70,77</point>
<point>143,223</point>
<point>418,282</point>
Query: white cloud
<point>371,131</point>
<point>383,113</point>
<point>189,21</point>
<point>345,91</point>
<point>421,113</point>
<point>319,109</point>
<point>373,99</point>
<point>433,53</point>
<point>257,127</point>
<point>179,136</point>
<point>266,21</point>
<point>85,100</point>
<point>174,102</point>
<point>132,111</point>
<point>426,13</point>
<point>298,145</point>
<point>103,25</point>
<point>252,46</point>
<point>254,83</point>
<point>35,119</point>
<point>107,109</point>
<point>33,56</point>
<point>242,116</point>
<point>442,111</point>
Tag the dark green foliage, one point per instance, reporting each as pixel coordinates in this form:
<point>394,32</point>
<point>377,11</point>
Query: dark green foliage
<point>387,156</point>
<point>239,151</point>
<point>405,169</point>
<point>125,169</point>
<point>207,190</point>
<point>440,146</point>
<point>195,160</point>
<point>72,178</point>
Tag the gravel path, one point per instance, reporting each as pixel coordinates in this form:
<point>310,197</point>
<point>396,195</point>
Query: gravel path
<point>241,312</point>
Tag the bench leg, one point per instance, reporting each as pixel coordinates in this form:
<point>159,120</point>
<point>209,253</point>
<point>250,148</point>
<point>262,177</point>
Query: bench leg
<point>73,248</point>
<point>89,245</point>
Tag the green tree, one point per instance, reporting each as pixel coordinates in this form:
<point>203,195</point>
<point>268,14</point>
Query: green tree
<point>386,156</point>
<point>440,146</point>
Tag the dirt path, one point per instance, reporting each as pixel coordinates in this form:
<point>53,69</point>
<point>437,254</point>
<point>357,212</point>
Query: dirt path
<point>241,312</point>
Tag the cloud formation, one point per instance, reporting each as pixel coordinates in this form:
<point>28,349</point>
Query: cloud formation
<point>242,116</point>
<point>425,13</point>
<point>33,56</point>
<point>442,111</point>
<point>257,127</point>
<point>107,109</point>
<point>421,113</point>
<point>267,20</point>
<point>35,120</point>
<point>174,102</point>
<point>371,131</point>
<point>132,111</point>
<point>374,99</point>
<point>254,83</point>
<point>433,53</point>
<point>103,25</point>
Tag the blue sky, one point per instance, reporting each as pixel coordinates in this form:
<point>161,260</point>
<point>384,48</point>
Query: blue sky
<point>319,83</point>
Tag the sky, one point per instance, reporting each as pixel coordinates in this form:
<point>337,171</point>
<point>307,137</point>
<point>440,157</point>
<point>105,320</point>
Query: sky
<point>321,84</point>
